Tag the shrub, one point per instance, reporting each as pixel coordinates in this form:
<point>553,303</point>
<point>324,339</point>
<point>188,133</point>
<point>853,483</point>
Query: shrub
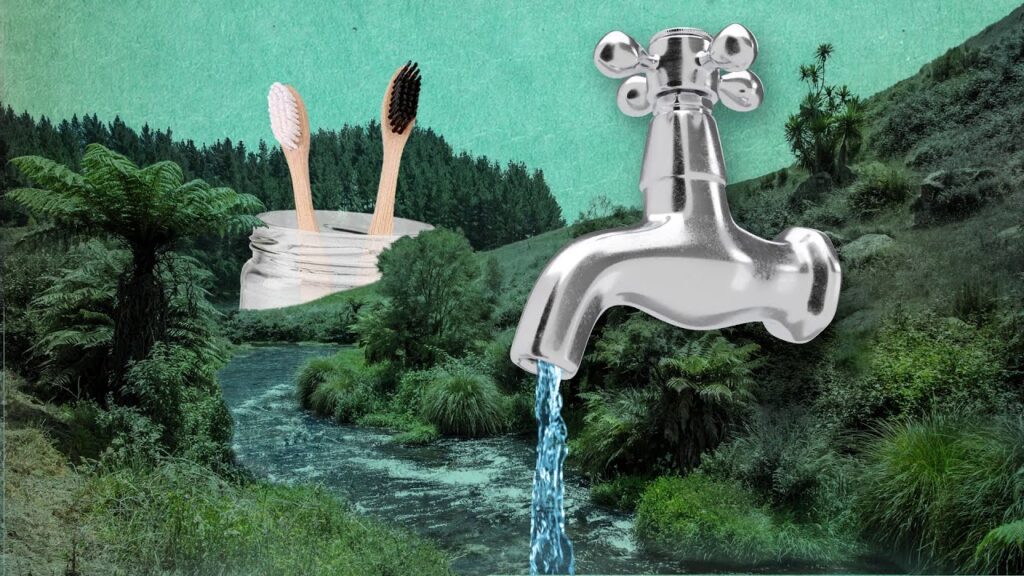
<point>707,518</point>
<point>509,377</point>
<point>785,457</point>
<point>1001,551</point>
<point>623,492</point>
<point>436,298</point>
<point>937,487</point>
<point>597,221</point>
<point>462,401</point>
<point>956,196</point>
<point>341,387</point>
<point>681,408</point>
<point>879,187</point>
<point>182,519</point>
<point>921,361</point>
<point>411,430</point>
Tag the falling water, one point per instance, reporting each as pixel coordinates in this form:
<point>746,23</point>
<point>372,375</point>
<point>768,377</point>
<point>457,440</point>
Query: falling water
<point>550,548</point>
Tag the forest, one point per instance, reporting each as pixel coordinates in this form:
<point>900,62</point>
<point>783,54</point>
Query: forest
<point>896,437</point>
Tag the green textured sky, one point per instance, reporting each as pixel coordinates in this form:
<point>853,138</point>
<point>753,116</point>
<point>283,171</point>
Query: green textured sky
<point>511,80</point>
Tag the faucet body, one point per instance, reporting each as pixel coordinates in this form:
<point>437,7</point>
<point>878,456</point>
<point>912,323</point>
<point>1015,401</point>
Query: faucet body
<point>687,263</point>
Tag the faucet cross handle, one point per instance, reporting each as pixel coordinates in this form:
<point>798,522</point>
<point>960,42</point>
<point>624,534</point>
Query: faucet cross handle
<point>682,60</point>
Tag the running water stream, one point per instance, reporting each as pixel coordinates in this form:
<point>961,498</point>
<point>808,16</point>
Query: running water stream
<point>550,548</point>
<point>470,497</point>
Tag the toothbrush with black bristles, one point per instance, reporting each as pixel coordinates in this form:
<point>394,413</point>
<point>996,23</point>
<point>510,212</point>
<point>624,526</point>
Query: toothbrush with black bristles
<point>398,115</point>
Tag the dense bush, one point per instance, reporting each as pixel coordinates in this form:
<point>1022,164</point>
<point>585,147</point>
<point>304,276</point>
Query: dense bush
<point>435,307</point>
<point>667,422</point>
<point>939,486</point>
<point>788,459</point>
<point>879,187</point>
<point>341,387</point>
<point>462,401</point>
<point>942,363</point>
<point>699,517</point>
<point>182,519</point>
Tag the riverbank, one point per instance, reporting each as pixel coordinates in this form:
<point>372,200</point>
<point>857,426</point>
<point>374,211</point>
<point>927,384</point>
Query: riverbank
<point>173,516</point>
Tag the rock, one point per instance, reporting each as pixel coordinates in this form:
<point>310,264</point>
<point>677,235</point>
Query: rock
<point>811,190</point>
<point>948,194</point>
<point>866,248</point>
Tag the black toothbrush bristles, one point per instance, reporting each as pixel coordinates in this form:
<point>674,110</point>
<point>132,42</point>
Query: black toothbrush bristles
<point>405,97</point>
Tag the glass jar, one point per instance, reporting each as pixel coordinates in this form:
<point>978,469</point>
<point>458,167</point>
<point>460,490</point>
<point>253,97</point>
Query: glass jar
<point>290,266</point>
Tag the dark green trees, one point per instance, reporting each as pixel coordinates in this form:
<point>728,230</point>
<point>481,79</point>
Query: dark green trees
<point>149,211</point>
<point>826,133</point>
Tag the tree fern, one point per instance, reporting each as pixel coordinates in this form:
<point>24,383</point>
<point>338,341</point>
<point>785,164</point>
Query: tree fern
<point>149,211</point>
<point>1002,550</point>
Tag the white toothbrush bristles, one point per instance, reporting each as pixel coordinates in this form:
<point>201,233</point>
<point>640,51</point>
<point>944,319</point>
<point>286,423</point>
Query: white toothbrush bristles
<point>284,116</point>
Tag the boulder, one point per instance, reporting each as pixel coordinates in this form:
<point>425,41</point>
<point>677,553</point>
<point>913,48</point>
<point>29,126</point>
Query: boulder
<point>865,249</point>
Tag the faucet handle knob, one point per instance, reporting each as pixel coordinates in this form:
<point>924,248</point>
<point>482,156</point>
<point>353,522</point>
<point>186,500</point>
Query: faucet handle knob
<point>740,91</point>
<point>619,55</point>
<point>734,49</point>
<point>632,97</point>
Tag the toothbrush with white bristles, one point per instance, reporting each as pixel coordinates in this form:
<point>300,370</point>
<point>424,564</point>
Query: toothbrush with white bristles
<point>290,124</point>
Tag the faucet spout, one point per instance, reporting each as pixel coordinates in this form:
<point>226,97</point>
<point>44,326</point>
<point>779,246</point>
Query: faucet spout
<point>687,263</point>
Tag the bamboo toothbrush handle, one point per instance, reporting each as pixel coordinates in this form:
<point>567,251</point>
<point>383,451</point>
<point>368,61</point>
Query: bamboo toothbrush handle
<point>384,211</point>
<point>302,192</point>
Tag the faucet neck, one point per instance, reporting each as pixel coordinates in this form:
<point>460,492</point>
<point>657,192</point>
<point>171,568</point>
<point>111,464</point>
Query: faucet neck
<point>683,161</point>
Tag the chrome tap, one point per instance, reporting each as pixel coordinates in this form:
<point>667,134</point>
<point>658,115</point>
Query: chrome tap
<point>687,263</point>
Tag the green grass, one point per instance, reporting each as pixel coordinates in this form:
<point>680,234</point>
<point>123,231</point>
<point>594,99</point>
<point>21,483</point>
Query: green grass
<point>938,487</point>
<point>461,401</point>
<point>699,517</point>
<point>182,519</point>
<point>623,492</point>
<point>341,387</point>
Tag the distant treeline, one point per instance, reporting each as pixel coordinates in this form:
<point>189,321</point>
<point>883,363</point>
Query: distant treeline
<point>492,205</point>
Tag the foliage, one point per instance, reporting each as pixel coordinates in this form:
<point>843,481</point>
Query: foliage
<point>879,187</point>
<point>692,397</point>
<point>786,458</point>
<point>435,301</point>
<point>826,133</point>
<point>411,430</point>
<point>938,486</point>
<point>942,363</point>
<point>341,387</point>
<point>180,518</point>
<point>462,401</point>
<point>699,517</point>
<point>1001,551</point>
<point>509,377</point>
<point>72,322</point>
<point>601,217</point>
<point>327,324</point>
<point>623,492</point>
<point>149,211</point>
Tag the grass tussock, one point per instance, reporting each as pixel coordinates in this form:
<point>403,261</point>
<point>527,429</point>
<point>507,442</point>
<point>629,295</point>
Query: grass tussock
<point>947,490</point>
<point>463,402</point>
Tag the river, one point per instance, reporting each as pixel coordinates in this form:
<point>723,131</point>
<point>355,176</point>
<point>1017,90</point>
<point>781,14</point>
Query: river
<point>471,497</point>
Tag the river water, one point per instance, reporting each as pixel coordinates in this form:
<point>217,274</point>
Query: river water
<point>471,497</point>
